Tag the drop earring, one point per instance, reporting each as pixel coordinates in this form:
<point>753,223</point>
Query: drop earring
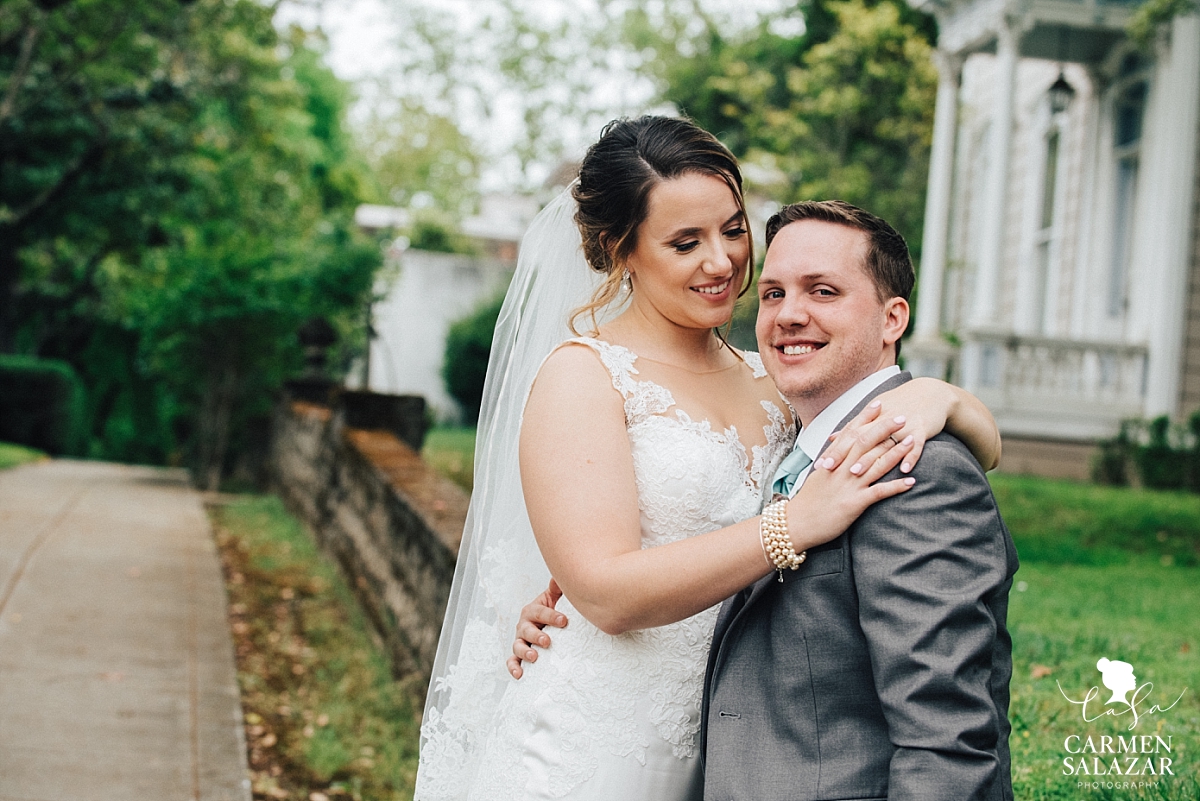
<point>627,282</point>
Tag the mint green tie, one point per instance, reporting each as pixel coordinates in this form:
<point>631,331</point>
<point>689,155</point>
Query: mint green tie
<point>789,470</point>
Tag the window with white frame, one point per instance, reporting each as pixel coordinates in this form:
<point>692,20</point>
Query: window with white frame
<point>1129,106</point>
<point>1044,239</point>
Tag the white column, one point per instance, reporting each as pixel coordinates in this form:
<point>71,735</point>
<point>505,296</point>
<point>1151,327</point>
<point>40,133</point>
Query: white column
<point>937,198</point>
<point>983,308</point>
<point>1086,273</point>
<point>1169,188</point>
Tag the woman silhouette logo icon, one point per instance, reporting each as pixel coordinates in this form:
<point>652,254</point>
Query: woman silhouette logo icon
<point>1118,677</point>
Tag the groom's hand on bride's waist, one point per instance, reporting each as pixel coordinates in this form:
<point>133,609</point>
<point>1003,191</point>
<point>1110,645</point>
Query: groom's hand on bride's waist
<point>535,616</point>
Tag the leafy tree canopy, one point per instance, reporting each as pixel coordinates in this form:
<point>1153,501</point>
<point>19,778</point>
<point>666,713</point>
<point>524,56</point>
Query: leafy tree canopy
<point>839,106</point>
<point>176,197</point>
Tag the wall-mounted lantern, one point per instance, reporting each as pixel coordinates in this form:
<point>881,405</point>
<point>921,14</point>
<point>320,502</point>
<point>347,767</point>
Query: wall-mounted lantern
<point>1061,94</point>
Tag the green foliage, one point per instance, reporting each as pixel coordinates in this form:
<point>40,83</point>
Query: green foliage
<point>1152,15</point>
<point>1162,464</point>
<point>843,110</point>
<point>468,346</point>
<point>538,65</point>
<point>418,156</point>
<point>1111,464</point>
<point>41,405</point>
<point>1166,455</point>
<point>436,231</point>
<point>176,198</point>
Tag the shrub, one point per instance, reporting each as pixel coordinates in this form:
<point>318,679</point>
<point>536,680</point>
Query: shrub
<point>1163,460</point>
<point>436,231</point>
<point>41,405</point>
<point>468,346</point>
<point>1111,464</point>
<point>1166,456</point>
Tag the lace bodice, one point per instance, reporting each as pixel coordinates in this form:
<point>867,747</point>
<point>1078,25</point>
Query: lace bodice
<point>690,478</point>
<point>626,695</point>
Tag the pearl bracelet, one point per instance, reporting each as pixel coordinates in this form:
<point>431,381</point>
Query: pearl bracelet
<point>773,531</point>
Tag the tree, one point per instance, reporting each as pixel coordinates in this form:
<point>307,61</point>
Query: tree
<point>860,120</point>
<point>268,242</point>
<point>1153,15</point>
<point>421,160</point>
<point>90,104</point>
<point>176,197</point>
<point>842,109</point>
<point>535,85</point>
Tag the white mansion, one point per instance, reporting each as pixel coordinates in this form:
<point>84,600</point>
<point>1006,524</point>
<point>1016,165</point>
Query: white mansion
<point>1060,279</point>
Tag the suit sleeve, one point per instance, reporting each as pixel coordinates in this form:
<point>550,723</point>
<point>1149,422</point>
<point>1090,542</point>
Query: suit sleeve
<point>927,564</point>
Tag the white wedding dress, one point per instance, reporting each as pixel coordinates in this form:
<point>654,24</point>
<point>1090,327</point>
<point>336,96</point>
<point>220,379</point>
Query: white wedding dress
<point>601,717</point>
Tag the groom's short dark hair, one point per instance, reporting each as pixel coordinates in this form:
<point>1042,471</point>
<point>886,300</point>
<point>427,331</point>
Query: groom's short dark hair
<point>887,261</point>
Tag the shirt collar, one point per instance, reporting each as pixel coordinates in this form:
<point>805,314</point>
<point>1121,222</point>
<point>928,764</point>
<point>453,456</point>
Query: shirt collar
<point>814,435</point>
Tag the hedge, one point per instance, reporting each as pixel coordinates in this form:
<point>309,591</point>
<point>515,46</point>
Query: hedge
<point>41,405</point>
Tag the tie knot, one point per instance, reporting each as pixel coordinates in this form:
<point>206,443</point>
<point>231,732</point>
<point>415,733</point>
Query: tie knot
<point>789,470</point>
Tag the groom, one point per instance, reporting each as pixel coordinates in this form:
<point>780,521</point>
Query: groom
<point>880,668</point>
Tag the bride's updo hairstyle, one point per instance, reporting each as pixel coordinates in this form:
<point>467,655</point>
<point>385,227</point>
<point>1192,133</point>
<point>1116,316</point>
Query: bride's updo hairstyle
<point>615,180</point>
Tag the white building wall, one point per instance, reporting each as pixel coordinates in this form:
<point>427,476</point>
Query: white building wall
<point>426,293</point>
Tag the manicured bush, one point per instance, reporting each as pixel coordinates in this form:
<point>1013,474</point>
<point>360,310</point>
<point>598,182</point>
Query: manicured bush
<point>1165,455</point>
<point>41,405</point>
<point>1162,461</point>
<point>468,346</point>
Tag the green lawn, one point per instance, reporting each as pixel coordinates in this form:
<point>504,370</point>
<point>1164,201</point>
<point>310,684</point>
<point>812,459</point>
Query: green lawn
<point>13,455</point>
<point>1105,572</point>
<point>1063,618</point>
<point>1061,522</point>
<point>451,450</point>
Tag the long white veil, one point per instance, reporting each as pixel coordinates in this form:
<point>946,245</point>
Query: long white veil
<point>499,566</point>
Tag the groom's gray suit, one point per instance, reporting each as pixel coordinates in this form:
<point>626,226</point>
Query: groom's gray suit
<point>880,668</point>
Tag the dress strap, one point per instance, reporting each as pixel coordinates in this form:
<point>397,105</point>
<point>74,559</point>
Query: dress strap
<point>755,362</point>
<point>642,398</point>
<point>616,359</point>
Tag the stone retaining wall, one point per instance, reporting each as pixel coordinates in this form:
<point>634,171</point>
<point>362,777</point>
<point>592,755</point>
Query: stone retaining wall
<point>392,523</point>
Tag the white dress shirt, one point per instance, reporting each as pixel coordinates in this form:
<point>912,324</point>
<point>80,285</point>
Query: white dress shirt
<point>814,435</point>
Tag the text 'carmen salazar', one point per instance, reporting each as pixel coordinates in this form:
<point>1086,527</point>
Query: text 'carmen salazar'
<point>1117,756</point>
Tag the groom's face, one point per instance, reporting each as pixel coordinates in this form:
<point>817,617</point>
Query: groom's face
<point>822,326</point>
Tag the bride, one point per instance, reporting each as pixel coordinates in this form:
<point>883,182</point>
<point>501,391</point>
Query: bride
<point>643,450</point>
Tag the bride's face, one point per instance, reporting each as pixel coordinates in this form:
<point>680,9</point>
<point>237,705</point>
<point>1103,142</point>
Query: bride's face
<point>692,252</point>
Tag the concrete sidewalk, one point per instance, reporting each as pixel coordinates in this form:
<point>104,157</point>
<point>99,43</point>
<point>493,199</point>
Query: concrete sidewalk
<point>116,666</point>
